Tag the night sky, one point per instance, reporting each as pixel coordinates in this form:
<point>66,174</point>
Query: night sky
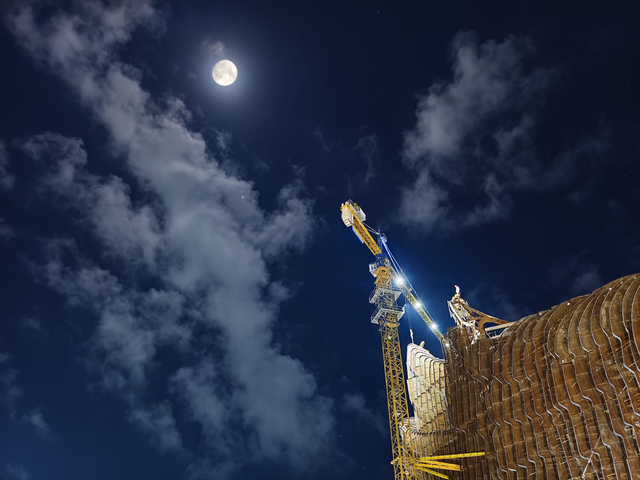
<point>178,295</point>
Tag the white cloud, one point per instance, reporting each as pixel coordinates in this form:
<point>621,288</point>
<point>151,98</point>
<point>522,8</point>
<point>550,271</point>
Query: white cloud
<point>199,387</point>
<point>424,202</point>
<point>326,145</point>
<point>368,148</point>
<point>37,421</point>
<point>6,231</point>
<point>575,275</point>
<point>224,138</point>
<point>6,179</point>
<point>125,227</point>
<point>15,472</point>
<point>355,404</point>
<point>202,468</point>
<point>473,145</point>
<point>158,422</point>
<point>472,136</point>
<point>132,324</point>
<point>64,157</point>
<point>215,47</point>
<point>586,281</point>
<point>581,160</point>
<point>496,205</point>
<point>201,234</point>
<point>10,392</point>
<point>33,324</point>
<point>488,79</point>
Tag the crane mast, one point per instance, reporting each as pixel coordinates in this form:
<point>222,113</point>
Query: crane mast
<point>387,314</point>
<point>390,283</point>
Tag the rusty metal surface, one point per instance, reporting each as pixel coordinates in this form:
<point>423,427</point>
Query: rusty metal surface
<point>556,396</point>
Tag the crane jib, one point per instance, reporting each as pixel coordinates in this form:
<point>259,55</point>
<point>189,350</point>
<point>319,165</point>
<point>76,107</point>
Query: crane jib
<point>390,283</point>
<point>353,229</point>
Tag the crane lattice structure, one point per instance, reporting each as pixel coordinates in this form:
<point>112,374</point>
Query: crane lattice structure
<point>390,283</point>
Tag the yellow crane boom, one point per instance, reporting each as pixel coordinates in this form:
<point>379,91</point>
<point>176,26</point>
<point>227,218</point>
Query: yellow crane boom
<point>390,283</point>
<point>353,216</point>
<point>387,315</point>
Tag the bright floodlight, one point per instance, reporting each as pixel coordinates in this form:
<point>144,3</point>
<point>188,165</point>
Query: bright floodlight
<point>434,326</point>
<point>417,305</point>
<point>399,280</point>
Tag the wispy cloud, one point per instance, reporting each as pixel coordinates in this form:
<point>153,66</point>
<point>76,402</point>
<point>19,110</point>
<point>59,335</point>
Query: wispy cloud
<point>367,147</point>
<point>575,274</point>
<point>198,231</point>
<point>15,472</point>
<point>355,404</point>
<point>33,324</point>
<point>37,421</point>
<point>215,47</point>
<point>6,179</point>
<point>10,392</point>
<point>326,145</point>
<point>577,168</point>
<point>158,422</point>
<point>472,148</point>
<point>587,281</point>
<point>6,231</point>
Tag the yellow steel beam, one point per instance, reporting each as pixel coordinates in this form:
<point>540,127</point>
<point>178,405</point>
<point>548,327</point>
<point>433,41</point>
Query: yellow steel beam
<point>440,465</point>
<point>398,409</point>
<point>456,455</point>
<point>404,462</point>
<point>418,307</point>
<point>370,242</point>
<point>362,232</point>
<point>432,472</point>
<point>383,276</point>
<point>396,398</point>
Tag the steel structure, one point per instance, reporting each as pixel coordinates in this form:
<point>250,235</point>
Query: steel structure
<point>555,395</point>
<point>390,283</point>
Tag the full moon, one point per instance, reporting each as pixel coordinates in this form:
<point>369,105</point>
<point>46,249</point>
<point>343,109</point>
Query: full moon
<point>224,73</point>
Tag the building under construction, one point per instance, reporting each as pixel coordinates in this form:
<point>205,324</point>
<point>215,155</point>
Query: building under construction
<point>555,395</point>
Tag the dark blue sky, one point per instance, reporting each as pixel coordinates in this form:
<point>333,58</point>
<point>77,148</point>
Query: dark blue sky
<point>179,297</point>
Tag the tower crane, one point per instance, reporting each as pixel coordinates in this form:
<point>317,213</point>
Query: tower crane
<point>390,283</point>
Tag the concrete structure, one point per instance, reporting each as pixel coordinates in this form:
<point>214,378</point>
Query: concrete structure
<point>555,395</point>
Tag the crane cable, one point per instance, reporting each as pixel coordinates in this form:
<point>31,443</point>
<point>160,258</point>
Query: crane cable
<point>410,327</point>
<point>397,266</point>
<point>371,230</point>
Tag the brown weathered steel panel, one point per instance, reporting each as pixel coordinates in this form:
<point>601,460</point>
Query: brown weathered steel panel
<point>555,396</point>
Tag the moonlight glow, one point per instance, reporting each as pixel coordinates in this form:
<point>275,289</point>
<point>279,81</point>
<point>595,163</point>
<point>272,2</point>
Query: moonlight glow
<point>224,73</point>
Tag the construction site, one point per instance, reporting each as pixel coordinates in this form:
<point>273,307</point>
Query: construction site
<point>554,395</point>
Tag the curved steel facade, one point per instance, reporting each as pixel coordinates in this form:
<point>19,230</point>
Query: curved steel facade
<point>556,396</point>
